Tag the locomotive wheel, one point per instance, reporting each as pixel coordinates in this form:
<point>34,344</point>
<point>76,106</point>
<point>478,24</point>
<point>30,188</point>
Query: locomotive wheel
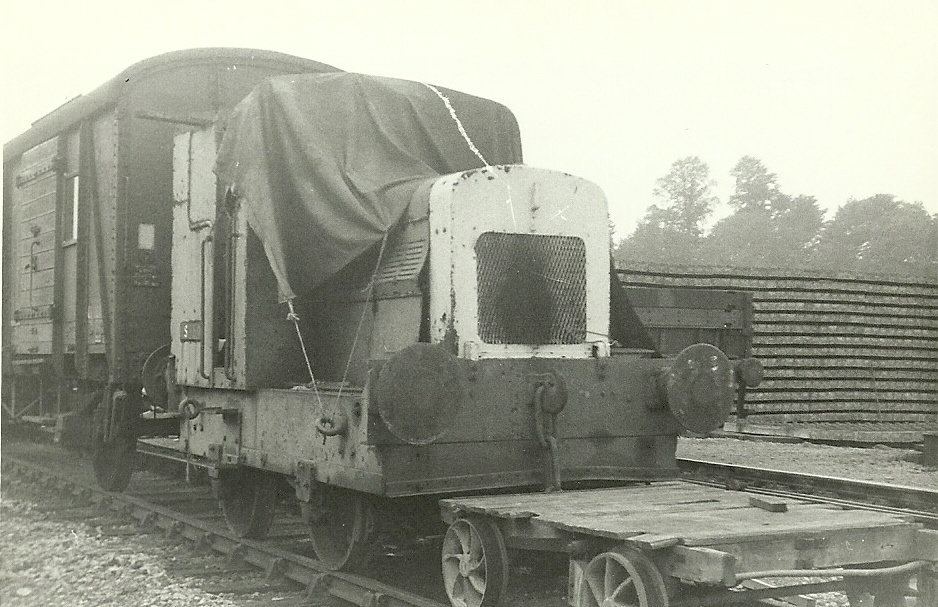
<point>475,563</point>
<point>248,500</point>
<point>341,525</point>
<point>113,463</point>
<point>622,578</point>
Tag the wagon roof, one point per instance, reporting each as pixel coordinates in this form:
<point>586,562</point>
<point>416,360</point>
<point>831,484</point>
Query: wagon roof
<point>108,93</point>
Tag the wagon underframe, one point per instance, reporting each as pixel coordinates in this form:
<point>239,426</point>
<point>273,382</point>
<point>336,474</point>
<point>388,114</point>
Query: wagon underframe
<point>677,542</point>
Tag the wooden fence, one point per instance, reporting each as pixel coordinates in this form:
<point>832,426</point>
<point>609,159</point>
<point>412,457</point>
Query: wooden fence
<point>847,357</point>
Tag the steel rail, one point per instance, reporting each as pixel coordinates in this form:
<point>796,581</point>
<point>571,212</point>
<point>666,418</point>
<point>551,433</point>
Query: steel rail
<point>356,589</point>
<point>275,561</point>
<point>916,502</point>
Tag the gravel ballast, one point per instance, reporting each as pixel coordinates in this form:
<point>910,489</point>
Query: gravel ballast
<point>47,560</point>
<point>878,464</point>
<point>54,563</point>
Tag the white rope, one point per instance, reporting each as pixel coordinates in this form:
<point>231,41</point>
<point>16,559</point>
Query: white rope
<point>293,316</point>
<point>361,320</point>
<point>462,129</point>
<point>472,146</point>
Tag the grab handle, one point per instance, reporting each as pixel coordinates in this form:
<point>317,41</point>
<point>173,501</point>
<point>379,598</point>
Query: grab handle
<point>206,358</point>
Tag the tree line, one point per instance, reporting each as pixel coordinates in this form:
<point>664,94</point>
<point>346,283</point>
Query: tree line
<point>770,228</point>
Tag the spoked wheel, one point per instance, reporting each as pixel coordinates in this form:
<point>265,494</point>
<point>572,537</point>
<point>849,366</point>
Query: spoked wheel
<point>623,578</point>
<point>475,563</point>
<point>341,525</point>
<point>248,500</point>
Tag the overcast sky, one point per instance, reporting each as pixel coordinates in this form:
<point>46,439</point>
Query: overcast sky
<point>839,98</point>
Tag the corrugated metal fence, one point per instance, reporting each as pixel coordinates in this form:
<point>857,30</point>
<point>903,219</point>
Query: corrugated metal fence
<point>847,357</point>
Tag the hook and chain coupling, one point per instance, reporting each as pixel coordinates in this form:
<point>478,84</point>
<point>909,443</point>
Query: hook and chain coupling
<point>550,398</point>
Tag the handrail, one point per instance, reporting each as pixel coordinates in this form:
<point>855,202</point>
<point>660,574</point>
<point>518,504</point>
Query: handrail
<point>208,320</point>
<point>233,234</point>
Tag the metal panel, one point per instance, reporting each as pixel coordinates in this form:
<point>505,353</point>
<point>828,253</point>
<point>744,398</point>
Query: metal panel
<point>181,94</point>
<point>261,348</point>
<point>70,246</point>
<point>679,317</point>
<point>532,288</point>
<point>271,350</point>
<point>447,468</point>
<point>34,199</point>
<point>610,397</point>
<point>85,165</point>
<point>403,262</point>
<point>32,338</point>
<point>518,200</point>
<point>102,254</point>
<point>396,326</point>
<point>192,267</point>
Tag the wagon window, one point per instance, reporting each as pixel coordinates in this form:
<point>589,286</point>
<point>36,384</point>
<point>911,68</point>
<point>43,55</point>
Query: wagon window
<point>70,211</point>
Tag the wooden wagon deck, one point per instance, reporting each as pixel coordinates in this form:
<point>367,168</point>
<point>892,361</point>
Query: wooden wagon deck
<point>701,533</point>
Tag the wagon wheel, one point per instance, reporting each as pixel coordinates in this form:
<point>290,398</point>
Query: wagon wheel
<point>113,460</point>
<point>623,578</point>
<point>475,563</point>
<point>341,526</point>
<point>248,501</point>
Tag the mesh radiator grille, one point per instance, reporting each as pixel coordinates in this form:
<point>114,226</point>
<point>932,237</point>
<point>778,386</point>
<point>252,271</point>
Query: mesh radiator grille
<point>532,289</point>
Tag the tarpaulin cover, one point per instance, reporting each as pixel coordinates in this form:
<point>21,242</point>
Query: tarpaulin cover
<point>325,164</point>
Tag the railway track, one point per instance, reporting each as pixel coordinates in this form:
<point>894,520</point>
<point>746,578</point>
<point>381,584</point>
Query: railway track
<point>155,503</point>
<point>918,503</point>
<point>189,512</point>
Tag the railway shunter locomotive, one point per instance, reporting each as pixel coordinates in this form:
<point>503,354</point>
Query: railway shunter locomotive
<point>374,301</point>
<point>375,305</point>
<point>365,307</point>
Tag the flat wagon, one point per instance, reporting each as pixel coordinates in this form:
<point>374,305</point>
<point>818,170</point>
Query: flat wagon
<point>676,543</point>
